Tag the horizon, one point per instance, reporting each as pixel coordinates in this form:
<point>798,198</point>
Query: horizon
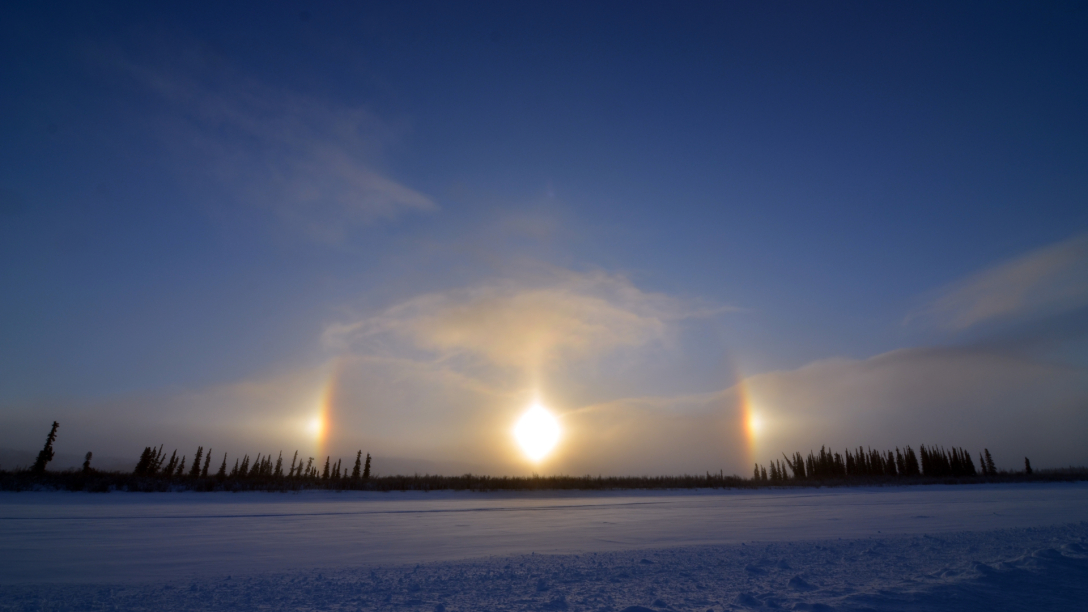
<point>16,461</point>
<point>674,239</point>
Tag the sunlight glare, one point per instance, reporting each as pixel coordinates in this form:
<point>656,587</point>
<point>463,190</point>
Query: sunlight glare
<point>537,432</point>
<point>316,426</point>
<point>755,424</point>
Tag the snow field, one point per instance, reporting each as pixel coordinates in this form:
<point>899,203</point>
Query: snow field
<point>980,547</point>
<point>1012,569</point>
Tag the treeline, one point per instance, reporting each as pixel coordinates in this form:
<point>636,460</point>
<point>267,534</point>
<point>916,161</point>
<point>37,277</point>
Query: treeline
<point>156,472</point>
<point>74,480</point>
<point>931,462</point>
<point>153,464</point>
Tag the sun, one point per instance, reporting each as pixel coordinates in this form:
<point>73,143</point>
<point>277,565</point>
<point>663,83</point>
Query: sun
<point>537,432</point>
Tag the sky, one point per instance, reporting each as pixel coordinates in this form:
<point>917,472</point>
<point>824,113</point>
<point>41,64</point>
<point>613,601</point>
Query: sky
<point>699,234</point>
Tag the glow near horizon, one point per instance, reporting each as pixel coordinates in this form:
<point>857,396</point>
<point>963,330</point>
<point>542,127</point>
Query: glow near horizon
<point>319,424</point>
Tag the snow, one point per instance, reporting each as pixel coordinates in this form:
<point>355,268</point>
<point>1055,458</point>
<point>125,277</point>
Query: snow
<point>887,548</point>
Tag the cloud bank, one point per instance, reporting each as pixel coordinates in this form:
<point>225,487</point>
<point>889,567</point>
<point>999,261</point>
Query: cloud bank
<point>975,398</point>
<point>429,411</point>
<point>1049,280</point>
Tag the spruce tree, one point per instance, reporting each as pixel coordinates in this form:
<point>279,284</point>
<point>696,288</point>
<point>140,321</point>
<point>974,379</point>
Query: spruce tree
<point>366,468</point>
<point>181,468</point>
<point>207,462</point>
<point>293,461</point>
<point>325,474</point>
<point>956,464</point>
<point>46,454</point>
<point>279,466</point>
<point>357,471</point>
<point>943,463</point>
<point>877,461</point>
<point>1027,466</point>
<point>234,470</point>
<point>143,466</point>
<point>912,463</point>
<point>157,460</point>
<point>168,471</point>
<point>789,462</point>
<point>990,467</point>
<point>969,462</point>
<point>195,472</point>
<point>309,468</point>
<point>222,473</point>
<point>87,464</point>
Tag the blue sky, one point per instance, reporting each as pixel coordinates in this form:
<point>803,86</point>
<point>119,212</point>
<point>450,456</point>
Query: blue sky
<point>627,209</point>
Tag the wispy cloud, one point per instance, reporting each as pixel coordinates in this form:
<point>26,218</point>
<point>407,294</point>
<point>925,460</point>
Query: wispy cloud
<point>312,162</point>
<point>523,324</point>
<point>1045,281</point>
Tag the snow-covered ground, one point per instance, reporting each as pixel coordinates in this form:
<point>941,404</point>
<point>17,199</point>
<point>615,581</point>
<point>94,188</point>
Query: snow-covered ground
<point>985,547</point>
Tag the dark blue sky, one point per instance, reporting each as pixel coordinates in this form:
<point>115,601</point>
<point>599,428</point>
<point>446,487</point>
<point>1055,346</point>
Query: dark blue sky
<point>196,197</point>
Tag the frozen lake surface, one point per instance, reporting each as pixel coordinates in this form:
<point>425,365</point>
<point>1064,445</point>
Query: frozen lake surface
<point>924,547</point>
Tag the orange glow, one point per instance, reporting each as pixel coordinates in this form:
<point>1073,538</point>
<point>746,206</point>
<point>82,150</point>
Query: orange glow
<point>319,424</point>
<point>750,422</point>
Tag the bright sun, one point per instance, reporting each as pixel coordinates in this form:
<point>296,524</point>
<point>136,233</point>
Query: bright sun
<point>537,432</point>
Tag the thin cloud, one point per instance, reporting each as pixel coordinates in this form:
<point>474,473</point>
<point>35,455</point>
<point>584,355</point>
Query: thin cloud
<point>975,398</point>
<point>313,163</point>
<point>1046,281</point>
<point>518,324</point>
<point>433,411</point>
